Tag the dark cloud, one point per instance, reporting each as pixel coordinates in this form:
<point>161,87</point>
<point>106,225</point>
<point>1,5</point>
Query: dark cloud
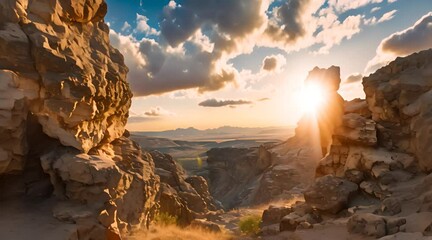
<point>269,63</point>
<point>287,23</point>
<point>223,103</point>
<point>155,70</point>
<point>413,39</point>
<point>234,18</point>
<point>356,77</point>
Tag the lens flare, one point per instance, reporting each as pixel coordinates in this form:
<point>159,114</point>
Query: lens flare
<point>312,97</point>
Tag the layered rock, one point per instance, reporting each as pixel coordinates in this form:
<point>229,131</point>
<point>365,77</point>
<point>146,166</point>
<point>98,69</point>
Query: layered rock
<point>113,190</point>
<point>64,102</point>
<point>57,63</point>
<point>234,172</point>
<point>183,197</point>
<point>399,98</point>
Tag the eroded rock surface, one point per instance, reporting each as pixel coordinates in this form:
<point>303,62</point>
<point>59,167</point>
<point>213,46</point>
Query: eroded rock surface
<point>64,102</point>
<point>58,64</point>
<point>186,198</point>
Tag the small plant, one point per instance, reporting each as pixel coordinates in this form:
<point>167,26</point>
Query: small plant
<point>250,225</point>
<point>165,219</point>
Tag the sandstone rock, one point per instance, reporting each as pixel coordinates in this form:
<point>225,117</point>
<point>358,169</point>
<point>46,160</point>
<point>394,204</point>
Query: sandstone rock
<point>330,194</point>
<point>57,64</point>
<point>274,215</point>
<point>289,222</point>
<point>374,225</point>
<point>391,206</point>
<point>123,190</point>
<point>356,129</point>
<point>374,189</point>
<point>377,161</point>
<point>399,98</point>
<point>64,102</point>
<point>181,196</point>
<point>233,173</point>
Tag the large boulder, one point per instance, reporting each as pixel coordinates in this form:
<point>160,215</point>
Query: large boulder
<point>330,194</point>
<point>117,190</point>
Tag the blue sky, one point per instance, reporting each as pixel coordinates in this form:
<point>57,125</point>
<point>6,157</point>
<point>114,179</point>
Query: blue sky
<point>186,52</point>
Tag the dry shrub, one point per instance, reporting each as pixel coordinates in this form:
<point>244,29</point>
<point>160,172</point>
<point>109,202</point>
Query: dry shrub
<point>173,232</point>
<point>250,224</point>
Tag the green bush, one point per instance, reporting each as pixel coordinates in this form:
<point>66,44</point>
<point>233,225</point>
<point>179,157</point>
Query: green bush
<point>165,219</point>
<point>250,224</point>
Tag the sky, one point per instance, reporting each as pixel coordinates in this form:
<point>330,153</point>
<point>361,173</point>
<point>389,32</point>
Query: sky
<point>212,63</point>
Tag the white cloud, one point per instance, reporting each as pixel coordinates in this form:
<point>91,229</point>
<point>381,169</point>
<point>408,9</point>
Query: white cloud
<point>126,27</point>
<point>337,31</point>
<point>375,9</point>
<point>143,27</point>
<point>345,5</point>
<point>413,39</point>
<point>385,17</point>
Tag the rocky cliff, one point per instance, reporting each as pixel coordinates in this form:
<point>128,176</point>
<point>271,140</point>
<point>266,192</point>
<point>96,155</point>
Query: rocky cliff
<point>64,103</point>
<point>374,181</point>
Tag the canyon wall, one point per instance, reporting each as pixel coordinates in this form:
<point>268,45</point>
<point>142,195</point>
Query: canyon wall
<point>64,103</point>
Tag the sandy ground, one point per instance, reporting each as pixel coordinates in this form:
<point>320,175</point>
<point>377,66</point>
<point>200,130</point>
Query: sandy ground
<point>22,220</point>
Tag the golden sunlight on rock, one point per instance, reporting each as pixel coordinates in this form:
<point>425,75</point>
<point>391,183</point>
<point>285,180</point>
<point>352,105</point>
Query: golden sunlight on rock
<point>312,97</point>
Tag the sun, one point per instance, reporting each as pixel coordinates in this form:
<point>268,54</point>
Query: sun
<point>312,97</point>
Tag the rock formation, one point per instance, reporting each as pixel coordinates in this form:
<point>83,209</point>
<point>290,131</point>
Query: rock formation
<point>374,178</point>
<point>64,103</point>
<point>186,198</point>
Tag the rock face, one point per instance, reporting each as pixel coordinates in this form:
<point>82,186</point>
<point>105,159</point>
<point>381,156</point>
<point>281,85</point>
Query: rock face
<point>330,194</point>
<point>234,172</point>
<point>379,151</point>
<point>57,64</point>
<point>116,190</point>
<point>181,196</point>
<point>399,97</point>
<point>64,103</point>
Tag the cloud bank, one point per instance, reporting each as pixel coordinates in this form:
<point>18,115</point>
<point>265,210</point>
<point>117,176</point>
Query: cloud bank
<point>413,39</point>
<point>197,39</point>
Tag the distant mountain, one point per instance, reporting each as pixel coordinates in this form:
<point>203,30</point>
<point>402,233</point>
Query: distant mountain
<point>222,133</point>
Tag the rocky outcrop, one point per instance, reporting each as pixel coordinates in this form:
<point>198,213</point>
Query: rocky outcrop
<point>399,98</point>
<point>374,175</point>
<point>57,64</point>
<point>328,116</point>
<point>64,102</point>
<point>183,197</point>
<point>103,190</point>
<point>330,194</point>
<point>234,172</point>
